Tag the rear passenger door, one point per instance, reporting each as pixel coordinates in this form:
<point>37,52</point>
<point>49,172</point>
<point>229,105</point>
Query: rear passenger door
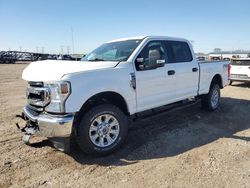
<point>186,69</point>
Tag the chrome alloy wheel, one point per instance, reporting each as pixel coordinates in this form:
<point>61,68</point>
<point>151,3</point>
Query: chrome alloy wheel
<point>214,98</point>
<point>104,130</point>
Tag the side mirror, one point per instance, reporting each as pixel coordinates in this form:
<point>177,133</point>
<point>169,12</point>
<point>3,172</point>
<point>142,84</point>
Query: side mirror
<point>154,59</point>
<point>140,60</point>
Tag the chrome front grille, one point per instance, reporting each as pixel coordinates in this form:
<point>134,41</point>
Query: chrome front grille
<point>37,94</point>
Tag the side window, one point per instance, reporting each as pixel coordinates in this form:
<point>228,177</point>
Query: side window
<point>179,51</point>
<point>153,53</point>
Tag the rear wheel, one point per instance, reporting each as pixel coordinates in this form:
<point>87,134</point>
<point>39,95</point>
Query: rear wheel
<point>211,100</point>
<point>102,130</point>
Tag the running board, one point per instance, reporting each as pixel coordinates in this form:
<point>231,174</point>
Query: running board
<point>164,109</point>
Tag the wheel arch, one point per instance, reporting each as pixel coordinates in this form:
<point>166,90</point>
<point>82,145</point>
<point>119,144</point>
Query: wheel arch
<point>107,97</point>
<point>217,79</point>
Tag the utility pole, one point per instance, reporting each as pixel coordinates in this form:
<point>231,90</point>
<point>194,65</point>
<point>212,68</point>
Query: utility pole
<point>68,49</point>
<point>72,40</point>
<point>62,49</point>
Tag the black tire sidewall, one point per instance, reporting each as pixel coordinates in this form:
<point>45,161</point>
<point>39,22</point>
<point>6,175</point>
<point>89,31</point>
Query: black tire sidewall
<point>83,139</point>
<point>213,87</point>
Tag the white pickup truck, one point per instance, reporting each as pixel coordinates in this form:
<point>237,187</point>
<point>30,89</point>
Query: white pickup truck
<point>92,101</point>
<point>240,70</point>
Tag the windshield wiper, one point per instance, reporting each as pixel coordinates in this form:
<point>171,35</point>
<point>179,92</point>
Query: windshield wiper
<point>96,59</point>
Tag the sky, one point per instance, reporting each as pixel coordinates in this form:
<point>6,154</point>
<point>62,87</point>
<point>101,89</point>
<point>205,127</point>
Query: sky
<point>48,25</point>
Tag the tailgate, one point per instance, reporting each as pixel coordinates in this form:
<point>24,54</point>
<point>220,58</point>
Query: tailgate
<point>240,69</point>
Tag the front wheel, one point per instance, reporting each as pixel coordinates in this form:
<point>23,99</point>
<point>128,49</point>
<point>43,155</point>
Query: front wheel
<point>211,100</point>
<point>102,130</point>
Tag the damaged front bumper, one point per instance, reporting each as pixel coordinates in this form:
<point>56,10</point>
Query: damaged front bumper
<point>54,127</point>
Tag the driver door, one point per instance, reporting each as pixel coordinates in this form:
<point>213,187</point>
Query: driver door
<point>154,87</point>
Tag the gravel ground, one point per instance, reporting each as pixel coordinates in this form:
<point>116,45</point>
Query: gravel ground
<point>183,148</point>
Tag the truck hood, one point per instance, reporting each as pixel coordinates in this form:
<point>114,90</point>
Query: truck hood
<point>53,70</point>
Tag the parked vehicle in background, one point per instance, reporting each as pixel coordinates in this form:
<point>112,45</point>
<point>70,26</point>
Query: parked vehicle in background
<point>52,57</point>
<point>13,56</point>
<point>200,58</point>
<point>215,59</point>
<point>26,57</point>
<point>240,70</point>
<point>7,57</point>
<point>92,101</point>
<point>65,57</point>
<point>226,59</point>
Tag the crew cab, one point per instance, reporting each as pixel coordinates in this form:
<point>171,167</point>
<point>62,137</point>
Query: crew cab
<point>94,100</point>
<point>240,70</point>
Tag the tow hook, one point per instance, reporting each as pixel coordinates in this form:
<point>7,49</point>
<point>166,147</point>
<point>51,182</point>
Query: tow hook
<point>26,138</point>
<point>29,129</point>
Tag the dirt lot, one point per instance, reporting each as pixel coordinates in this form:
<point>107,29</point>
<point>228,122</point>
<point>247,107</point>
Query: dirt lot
<point>184,148</point>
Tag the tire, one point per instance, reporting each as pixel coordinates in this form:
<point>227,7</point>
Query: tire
<point>102,130</point>
<point>211,100</point>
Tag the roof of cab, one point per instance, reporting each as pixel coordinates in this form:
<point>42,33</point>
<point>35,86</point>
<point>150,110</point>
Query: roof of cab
<point>150,37</point>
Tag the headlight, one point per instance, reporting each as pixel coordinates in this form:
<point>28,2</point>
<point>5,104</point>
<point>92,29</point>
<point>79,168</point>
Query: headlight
<point>59,92</point>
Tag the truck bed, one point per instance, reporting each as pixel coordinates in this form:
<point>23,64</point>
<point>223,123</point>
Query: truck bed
<point>208,69</point>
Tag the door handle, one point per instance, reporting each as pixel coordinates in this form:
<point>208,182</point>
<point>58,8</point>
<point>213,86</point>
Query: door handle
<point>171,72</point>
<point>195,69</point>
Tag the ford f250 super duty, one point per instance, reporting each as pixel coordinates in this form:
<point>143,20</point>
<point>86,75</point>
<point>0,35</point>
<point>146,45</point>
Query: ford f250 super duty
<point>92,101</point>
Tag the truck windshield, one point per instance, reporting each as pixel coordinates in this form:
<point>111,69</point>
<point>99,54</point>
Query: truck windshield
<point>240,62</point>
<point>113,51</point>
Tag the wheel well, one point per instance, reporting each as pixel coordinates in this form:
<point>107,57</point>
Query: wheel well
<point>98,99</point>
<point>217,80</point>
<point>104,98</point>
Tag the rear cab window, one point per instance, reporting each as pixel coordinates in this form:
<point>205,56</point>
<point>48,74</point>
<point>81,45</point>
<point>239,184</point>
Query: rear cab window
<point>241,62</point>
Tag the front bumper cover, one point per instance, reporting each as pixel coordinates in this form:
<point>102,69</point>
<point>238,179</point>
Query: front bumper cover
<point>50,126</point>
